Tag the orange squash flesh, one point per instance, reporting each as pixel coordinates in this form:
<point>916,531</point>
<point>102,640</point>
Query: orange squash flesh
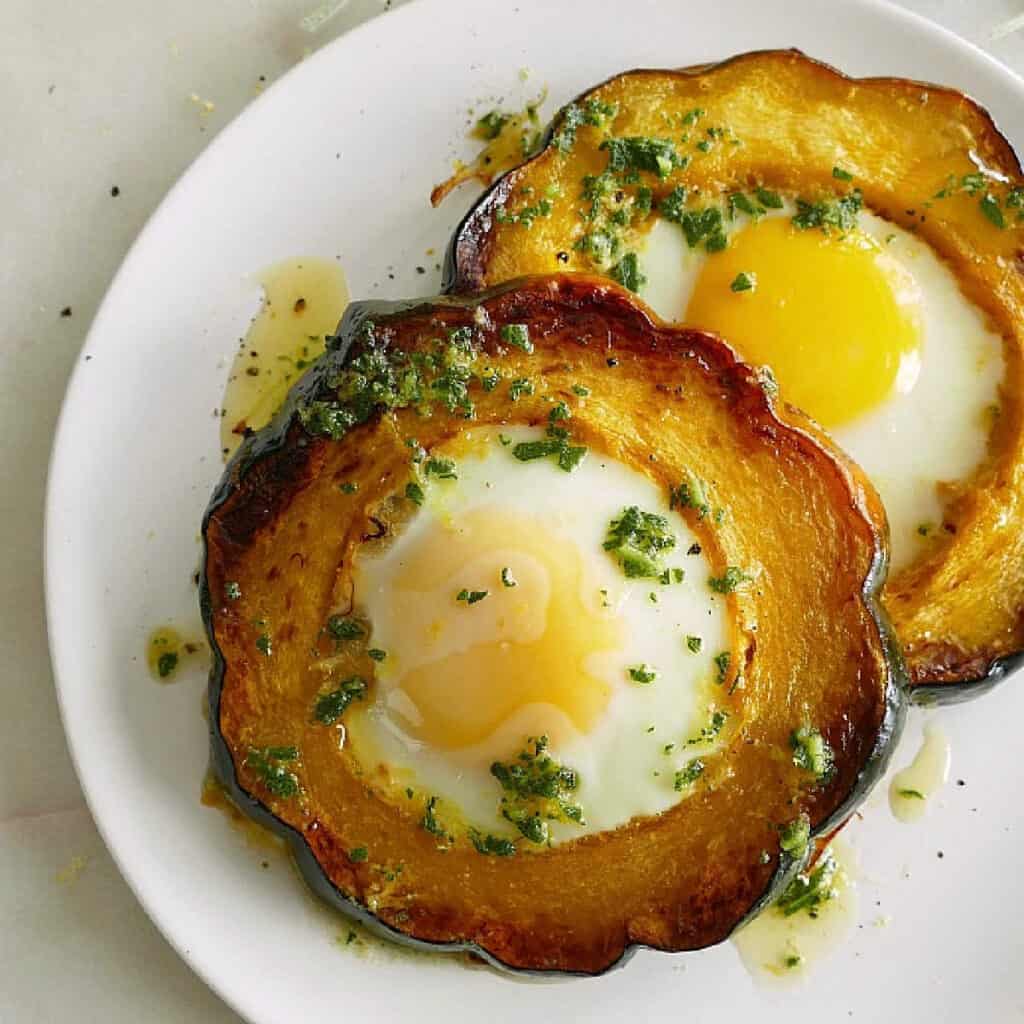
<point>809,643</point>
<point>958,608</point>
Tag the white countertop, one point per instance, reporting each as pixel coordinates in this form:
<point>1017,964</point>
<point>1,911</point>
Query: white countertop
<point>102,96</point>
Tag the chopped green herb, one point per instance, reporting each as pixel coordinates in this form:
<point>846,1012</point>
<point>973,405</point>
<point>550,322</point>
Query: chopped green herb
<point>166,663</point>
<point>471,596</point>
<point>840,175</point>
<point>809,891</point>
<point>580,390</point>
<point>414,493</point>
<point>769,199</point>
<point>517,335</point>
<point>382,378</point>
<point>689,774</point>
<point>990,207</point>
<point>698,225</point>
<point>559,411</point>
<point>709,732</point>
<point>490,125</point>
<point>264,645</point>
<point>507,578</point>
<point>429,822</point>
<point>358,854</point>
<point>744,282</point>
<point>722,661</point>
<point>599,246</point>
<point>419,453</point>
<point>593,112</point>
<point>924,529</point>
<point>490,380</point>
<point>730,580</point>
<point>537,789</point>
<point>627,273</point>
<point>268,763</point>
<point>791,960</point>
<point>505,441</point>
<point>811,752</point>
<point>973,183</point>
<point>643,674</point>
<point>232,591</point>
<point>637,153</point>
<point>911,794</point>
<point>694,643</point>
<point>794,836</point>
<point>491,846</point>
<point>442,468</point>
<point>527,215</point>
<point>638,540</point>
<point>825,214</point>
<point>673,206</point>
<point>377,654</point>
<point>329,707</point>
<point>555,444</point>
<point>737,201</point>
<point>519,387</point>
<point>348,488</point>
<point>340,628</point>
<point>690,494</point>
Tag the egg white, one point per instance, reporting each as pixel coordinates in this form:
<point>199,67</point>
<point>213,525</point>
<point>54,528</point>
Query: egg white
<point>933,427</point>
<point>623,766</point>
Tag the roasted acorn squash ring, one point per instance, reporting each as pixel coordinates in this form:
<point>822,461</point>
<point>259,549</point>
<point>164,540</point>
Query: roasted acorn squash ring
<point>279,532</point>
<point>958,608</point>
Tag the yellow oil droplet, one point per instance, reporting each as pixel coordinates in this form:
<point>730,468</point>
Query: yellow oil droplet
<point>213,795</point>
<point>303,300</point>
<point>515,138</point>
<point>166,649</point>
<point>69,874</point>
<point>911,788</point>
<point>779,949</point>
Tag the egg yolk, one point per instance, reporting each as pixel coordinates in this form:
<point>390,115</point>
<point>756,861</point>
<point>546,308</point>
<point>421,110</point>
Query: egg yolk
<point>831,314</point>
<point>458,672</point>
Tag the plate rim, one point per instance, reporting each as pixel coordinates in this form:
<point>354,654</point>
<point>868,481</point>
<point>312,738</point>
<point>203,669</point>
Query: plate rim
<point>222,985</point>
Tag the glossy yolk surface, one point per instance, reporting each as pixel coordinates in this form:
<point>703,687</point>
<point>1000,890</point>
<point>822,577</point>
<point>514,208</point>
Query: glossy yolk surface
<point>460,672</point>
<point>831,314</point>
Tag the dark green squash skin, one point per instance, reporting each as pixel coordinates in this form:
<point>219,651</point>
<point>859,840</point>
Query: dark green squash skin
<point>459,277</point>
<point>271,439</point>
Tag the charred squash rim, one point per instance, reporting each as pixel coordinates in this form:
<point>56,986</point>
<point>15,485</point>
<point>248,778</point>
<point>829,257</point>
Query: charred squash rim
<point>939,673</point>
<point>575,292</point>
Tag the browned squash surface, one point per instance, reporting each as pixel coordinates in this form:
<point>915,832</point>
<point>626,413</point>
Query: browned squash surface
<point>280,540</point>
<point>957,609</point>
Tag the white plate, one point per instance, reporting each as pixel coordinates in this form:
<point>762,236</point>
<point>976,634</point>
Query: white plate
<point>337,160</point>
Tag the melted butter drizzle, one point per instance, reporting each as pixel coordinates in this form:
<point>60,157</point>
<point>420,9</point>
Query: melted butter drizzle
<point>303,300</point>
<point>911,788</point>
<point>516,140</point>
<point>779,951</point>
<point>167,649</point>
<point>214,795</point>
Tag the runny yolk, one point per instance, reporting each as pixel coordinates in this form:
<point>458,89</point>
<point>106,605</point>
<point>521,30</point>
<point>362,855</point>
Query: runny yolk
<point>517,660</point>
<point>832,314</point>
